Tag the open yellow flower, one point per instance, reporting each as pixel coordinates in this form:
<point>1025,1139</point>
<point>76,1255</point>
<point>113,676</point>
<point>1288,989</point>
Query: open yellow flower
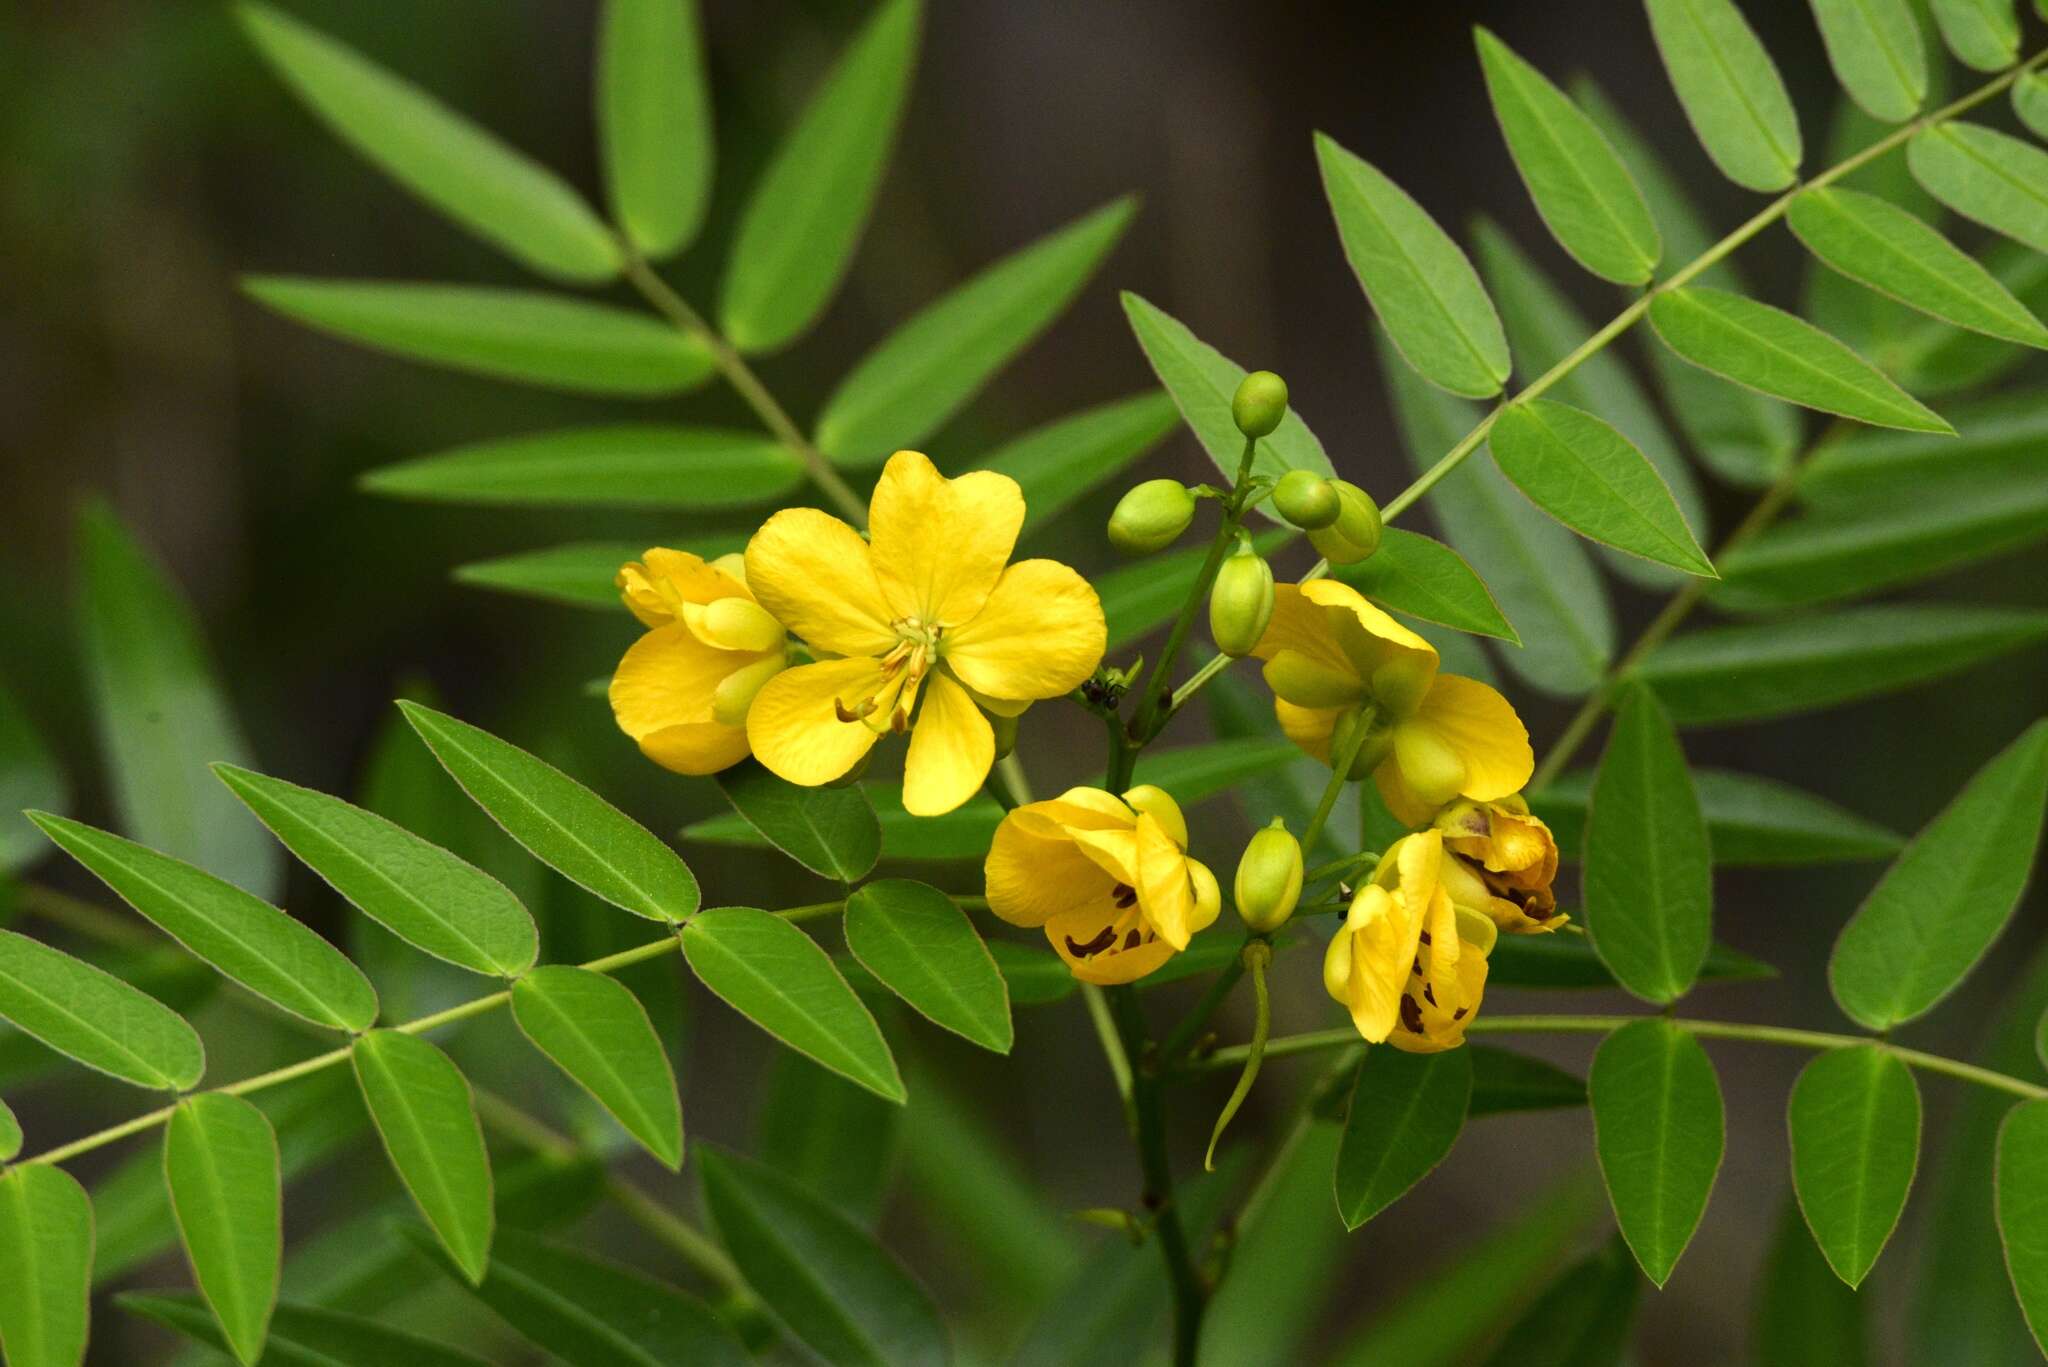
<point>930,613</point>
<point>1407,964</point>
<point>1333,659</point>
<point>1502,862</point>
<point>1108,879</point>
<point>683,689</point>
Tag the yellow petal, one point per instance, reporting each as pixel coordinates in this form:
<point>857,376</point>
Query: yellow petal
<point>952,747</point>
<point>1419,858</point>
<point>698,748</point>
<point>940,544</point>
<point>816,576</point>
<point>657,584</point>
<point>1407,808</point>
<point>1481,726</point>
<point>1433,772</point>
<point>1379,648</point>
<point>1115,852</point>
<point>1152,800</point>
<point>1384,936</point>
<point>1038,635</point>
<point>1300,624</point>
<point>1165,885</point>
<point>668,678</point>
<point>1104,946</point>
<point>735,623</point>
<point>1308,727</point>
<point>1307,681</point>
<point>794,723</point>
<point>1035,871</point>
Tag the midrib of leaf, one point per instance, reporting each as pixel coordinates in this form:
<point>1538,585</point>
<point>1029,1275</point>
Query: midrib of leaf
<point>1420,276</point>
<point>437,1177</point>
<point>1981,843</point>
<point>29,1272</point>
<point>215,1205</point>
<point>1403,1121</point>
<point>1893,58</point>
<point>1736,87</point>
<point>570,1308</point>
<point>1623,500</point>
<point>1571,163</point>
<point>803,811</point>
<point>1924,270</point>
<point>602,1060</point>
<point>932,977</point>
<point>1797,361</point>
<point>405,894</point>
<point>2032,192</point>
<point>1866,1128</point>
<point>142,1064</point>
<point>1668,1073</point>
<point>1653,870</point>
<point>774,989</point>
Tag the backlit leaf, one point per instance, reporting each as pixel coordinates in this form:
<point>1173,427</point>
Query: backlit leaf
<point>307,1336</point>
<point>46,1246</point>
<point>221,1168</point>
<point>1990,177</point>
<point>1406,1112</point>
<point>422,1108</point>
<point>1854,1122</point>
<point>1984,34</point>
<point>922,947</point>
<point>1872,473</point>
<point>1878,54</point>
<point>29,778</point>
<point>628,466</point>
<point>654,118</point>
<point>837,1139</point>
<point>595,1030</point>
<point>1731,90</point>
<point>93,1017</point>
<point>1659,1131</point>
<point>1804,1315</point>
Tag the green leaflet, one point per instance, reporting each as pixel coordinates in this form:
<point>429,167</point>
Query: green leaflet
<point>304,1334</point>
<point>922,947</point>
<point>581,574</point>
<point>1406,1112</point>
<point>1854,1122</point>
<point>1504,1081</point>
<point>1568,961</point>
<point>1411,573</point>
<point>2030,102</point>
<point>29,779</point>
<point>830,831</point>
<point>1582,1319</point>
<point>838,1139</point>
<point>1933,358</point>
<point>1422,286</point>
<point>1056,464</point>
<point>519,335</point>
<point>1659,1131</point>
<point>1804,1315</point>
<point>595,1030</point>
<point>2022,1194</point>
<point>1731,90</point>
<point>422,1108</point>
<point>638,465</point>
<point>804,215</point>
<point>221,1168</point>
<point>1139,598</point>
<point>654,121</point>
<point>1987,176</point>
<point>10,1134</point>
<point>1878,54</point>
<point>1947,898</point>
<point>499,194</point>
<point>1581,188</point>
<point>925,371</point>
<point>1871,473</point>
<point>1751,822</point>
<point>1984,34</point>
<point>46,1245</point>
<point>94,1018</point>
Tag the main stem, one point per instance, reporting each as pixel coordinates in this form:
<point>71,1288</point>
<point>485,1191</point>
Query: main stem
<point>1148,1114</point>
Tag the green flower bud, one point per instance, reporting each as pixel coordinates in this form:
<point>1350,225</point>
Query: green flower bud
<point>1006,733</point>
<point>1307,500</point>
<point>1241,602</point>
<point>1269,879</point>
<point>1356,532</point>
<point>1373,747</point>
<point>1259,404</point>
<point>1151,516</point>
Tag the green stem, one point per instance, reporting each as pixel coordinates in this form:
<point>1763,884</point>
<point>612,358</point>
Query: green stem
<point>1190,1296</point>
<point>1340,774</point>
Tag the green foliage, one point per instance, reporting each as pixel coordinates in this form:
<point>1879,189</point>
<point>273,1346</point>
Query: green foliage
<point>422,1108</point>
<point>1804,1314</point>
<point>1731,90</point>
<point>1984,34</point>
<point>1406,1111</point>
<point>1056,464</point>
<point>654,121</point>
<point>2022,1182</point>
<point>1878,54</point>
<point>1854,1122</point>
<point>1580,1320</point>
<point>1987,176</point>
<point>46,1242</point>
<point>922,947</point>
<point>1659,1130</point>
<point>221,1168</point>
<point>1423,578</point>
<point>628,466</point>
<point>830,831</point>
<point>94,1018</point>
<point>29,780</point>
<point>1504,1081</point>
<point>304,1335</point>
<point>595,1030</point>
<point>1751,822</point>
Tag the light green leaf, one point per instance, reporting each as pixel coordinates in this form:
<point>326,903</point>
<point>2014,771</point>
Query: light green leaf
<point>1987,176</point>
<point>221,1168</point>
<point>161,711</point>
<point>1731,90</point>
<point>1776,669</point>
<point>1582,1319</point>
<point>629,466</point>
<point>561,822</point>
<point>826,1279</point>
<point>1752,822</point>
<point>596,1031</point>
<point>415,889</point>
<point>1659,1131</point>
<point>1945,900</point>
<point>1871,473</point>
<point>46,1246</point>
<point>1984,34</point>
<point>1804,1315</point>
<point>1854,1122</point>
<point>923,948</point>
<point>1581,189</point>
<point>1776,353</point>
<point>29,778</point>
<point>1059,462</point>
<point>837,1139</point>
<point>10,1133</point>
<point>495,192</point>
<point>804,215</point>
<point>1505,1082</point>
<point>93,1017</point>
<point>421,1106</point>
<point>2021,1179</point>
<point>1568,961</point>
<point>1592,479</point>
<point>654,121</point>
<point>925,371</point>
<point>830,831</point>
<point>306,1336</point>
<point>1422,286</point>
<point>1427,579</point>
<point>777,977</point>
<point>1139,598</point>
<point>1649,879</point>
<point>1878,55</point>
<point>2030,102</point>
<point>1406,1112</point>
<point>581,574</point>
<point>1930,357</point>
<point>520,335</point>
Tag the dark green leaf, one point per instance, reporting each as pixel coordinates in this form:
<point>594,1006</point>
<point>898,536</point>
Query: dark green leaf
<point>1878,55</point>
<point>636,466</point>
<point>422,1108</point>
<point>923,948</point>
<point>221,1168</point>
<point>93,1017</point>
<point>1580,1320</point>
<point>1854,1122</point>
<point>830,831</point>
<point>1406,1112</point>
<point>654,115</point>
<point>306,1336</point>
<point>1427,579</point>
<point>1731,90</point>
<point>1930,357</point>
<point>1872,473</point>
<point>597,1032</point>
<point>1751,822</point>
<point>1057,463</point>
<point>1984,34</point>
<point>837,1139</point>
<point>1659,1131</point>
<point>46,1246</point>
<point>2022,1191</point>
<point>1568,961</point>
<point>1505,1081</point>
<point>1265,1311</point>
<point>1804,1315</point>
<point>29,778</point>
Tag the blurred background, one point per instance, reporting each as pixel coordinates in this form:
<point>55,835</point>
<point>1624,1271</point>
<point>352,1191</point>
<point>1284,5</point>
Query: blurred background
<point>151,160</point>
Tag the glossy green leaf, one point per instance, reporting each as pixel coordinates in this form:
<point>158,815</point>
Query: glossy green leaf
<point>804,215</point>
<point>1580,187</point>
<point>1752,822</point>
<point>1056,464</point>
<point>1987,176</point>
<point>1984,34</point>
<point>1943,902</point>
<point>161,711</point>
<point>46,1246</point>
<point>421,1106</point>
<point>830,831</point>
<point>838,1140</point>
<point>628,466</point>
<point>265,950</point>
<point>777,977</point>
<point>499,194</point>
<point>1776,669</point>
<point>925,371</point>
<point>1804,1315</point>
<point>306,1336</point>
<point>1659,1131</point>
<point>596,1031</point>
<point>10,1133</point>
<point>581,574</point>
<point>826,1279</point>
<point>1731,90</point>
<point>1878,54</point>
<point>922,947</point>
<point>1420,283</point>
<point>654,120</point>
<point>93,1017</point>
<point>1649,880</point>
<point>1406,1112</point>
<point>1854,1122</point>
<point>561,822</point>
<point>221,1168</point>
<point>1568,961</point>
<point>1592,479</point>
<point>2022,1201</point>
<point>2030,102</point>
<point>1411,573</point>
<point>521,335</point>
<point>1869,474</point>
<point>1774,352</point>
<point>1505,1082</point>
<point>1138,599</point>
<point>29,778</point>
<point>1582,1319</point>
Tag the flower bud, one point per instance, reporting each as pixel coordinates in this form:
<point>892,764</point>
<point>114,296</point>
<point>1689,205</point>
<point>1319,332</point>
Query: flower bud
<point>1307,500</point>
<point>1151,516</point>
<point>1259,404</point>
<point>1356,532</point>
<point>1268,879</point>
<point>1241,601</point>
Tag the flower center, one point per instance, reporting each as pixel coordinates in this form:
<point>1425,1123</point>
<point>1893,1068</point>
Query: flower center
<point>903,670</point>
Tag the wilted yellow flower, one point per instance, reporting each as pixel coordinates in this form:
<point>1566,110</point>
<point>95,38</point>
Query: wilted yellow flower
<point>683,689</point>
<point>930,611</point>
<point>1108,879</point>
<point>1503,860</point>
<point>1332,657</point>
<point>1407,964</point>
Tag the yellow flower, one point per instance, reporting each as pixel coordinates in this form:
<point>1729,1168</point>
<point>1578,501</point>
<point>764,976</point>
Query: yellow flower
<point>682,690</point>
<point>1107,878</point>
<point>1407,964</point>
<point>1333,658</point>
<point>930,608</point>
<point>1503,862</point>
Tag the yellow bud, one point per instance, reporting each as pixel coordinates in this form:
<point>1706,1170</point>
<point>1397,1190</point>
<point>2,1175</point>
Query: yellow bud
<point>1356,532</point>
<point>1307,500</point>
<point>1372,746</point>
<point>733,624</point>
<point>735,692</point>
<point>1151,516</point>
<point>1208,894</point>
<point>1268,880</point>
<point>1433,771</point>
<point>1241,602</point>
<point>1160,805</point>
<point>1259,404</point>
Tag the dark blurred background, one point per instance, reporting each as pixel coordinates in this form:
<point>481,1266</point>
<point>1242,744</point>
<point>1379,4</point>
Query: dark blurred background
<point>150,160</point>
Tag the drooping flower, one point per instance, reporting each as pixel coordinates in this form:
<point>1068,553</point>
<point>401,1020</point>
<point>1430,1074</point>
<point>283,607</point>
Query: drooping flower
<point>929,624</point>
<point>1407,964</point>
<point>1107,878</point>
<point>683,689</point>
<point>1333,661</point>
<point>1502,861</point>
